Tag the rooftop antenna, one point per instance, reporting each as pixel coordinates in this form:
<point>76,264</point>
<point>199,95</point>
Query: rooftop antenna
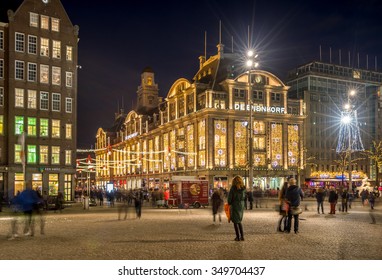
<point>330,55</point>
<point>320,54</point>
<point>367,62</point>
<point>349,57</point>
<point>220,31</point>
<point>358,60</point>
<point>205,45</point>
<point>340,55</point>
<point>232,43</point>
<point>248,38</point>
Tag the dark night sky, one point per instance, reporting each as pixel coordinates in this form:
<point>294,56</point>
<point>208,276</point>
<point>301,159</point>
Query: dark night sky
<point>119,38</point>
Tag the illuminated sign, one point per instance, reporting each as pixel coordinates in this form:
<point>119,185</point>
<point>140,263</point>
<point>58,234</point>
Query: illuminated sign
<point>131,136</point>
<point>260,108</point>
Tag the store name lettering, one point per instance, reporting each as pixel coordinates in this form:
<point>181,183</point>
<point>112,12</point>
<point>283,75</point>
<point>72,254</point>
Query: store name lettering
<point>258,108</point>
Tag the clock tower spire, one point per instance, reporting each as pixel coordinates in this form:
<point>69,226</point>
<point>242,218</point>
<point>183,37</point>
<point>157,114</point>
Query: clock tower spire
<point>147,91</point>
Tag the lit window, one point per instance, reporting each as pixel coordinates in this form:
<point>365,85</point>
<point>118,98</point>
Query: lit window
<point>44,127</point>
<point>1,96</point>
<point>19,70</point>
<point>44,74</point>
<point>55,128</point>
<point>56,51</point>
<point>68,131</point>
<point>45,22</point>
<point>32,126</point>
<point>56,102</point>
<point>44,47</point>
<point>44,154</point>
<point>32,99</point>
<point>32,72</point>
<point>32,154</point>
<point>1,124</point>
<point>55,155</point>
<point>68,105</point>
<point>56,76</point>
<point>69,53</point>
<point>44,100</point>
<point>19,42</point>
<point>32,44</point>
<point>69,79</point>
<point>33,19</point>
<point>68,157</point>
<point>19,125</point>
<point>1,40</point>
<point>55,24</point>
<point>19,97</point>
<point>17,153</point>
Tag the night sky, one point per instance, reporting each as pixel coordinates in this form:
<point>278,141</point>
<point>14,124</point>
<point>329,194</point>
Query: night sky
<point>119,38</point>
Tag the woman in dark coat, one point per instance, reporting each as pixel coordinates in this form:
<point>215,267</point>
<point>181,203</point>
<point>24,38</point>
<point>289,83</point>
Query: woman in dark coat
<point>283,212</point>
<point>235,199</point>
<point>217,204</point>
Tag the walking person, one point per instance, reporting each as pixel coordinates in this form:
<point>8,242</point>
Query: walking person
<point>217,205</point>
<point>28,199</point>
<point>59,202</point>
<point>320,196</point>
<point>283,212</point>
<point>235,199</point>
<point>333,197</point>
<point>371,200</point>
<point>344,200</point>
<point>16,216</point>
<point>294,195</point>
<point>138,204</point>
<point>250,199</point>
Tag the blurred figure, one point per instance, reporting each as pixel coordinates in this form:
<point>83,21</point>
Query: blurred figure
<point>371,200</point>
<point>45,198</point>
<point>217,204</point>
<point>16,216</point>
<point>294,195</point>
<point>235,199</point>
<point>166,196</point>
<point>351,198</point>
<point>333,197</point>
<point>123,207</point>
<point>283,212</point>
<point>138,204</point>
<point>250,199</point>
<point>257,194</point>
<point>364,197</point>
<point>39,211</point>
<point>59,202</point>
<point>28,200</point>
<point>320,196</point>
<point>344,200</point>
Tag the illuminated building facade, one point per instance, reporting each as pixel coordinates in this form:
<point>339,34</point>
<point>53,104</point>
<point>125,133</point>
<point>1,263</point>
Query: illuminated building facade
<point>38,97</point>
<point>325,89</point>
<point>201,129</point>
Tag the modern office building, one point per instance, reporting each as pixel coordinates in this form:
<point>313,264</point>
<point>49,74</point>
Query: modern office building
<point>326,88</point>
<point>38,98</point>
<point>201,129</point>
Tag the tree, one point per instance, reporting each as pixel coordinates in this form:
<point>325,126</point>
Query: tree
<point>343,163</point>
<point>375,154</point>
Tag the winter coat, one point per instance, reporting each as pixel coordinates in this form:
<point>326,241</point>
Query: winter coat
<point>320,195</point>
<point>333,196</point>
<point>236,199</point>
<point>217,203</point>
<point>294,195</point>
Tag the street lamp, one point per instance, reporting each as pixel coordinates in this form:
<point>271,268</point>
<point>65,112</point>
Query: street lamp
<point>250,62</point>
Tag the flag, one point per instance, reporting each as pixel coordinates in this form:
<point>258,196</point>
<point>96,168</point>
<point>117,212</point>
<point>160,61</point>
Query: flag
<point>22,150</point>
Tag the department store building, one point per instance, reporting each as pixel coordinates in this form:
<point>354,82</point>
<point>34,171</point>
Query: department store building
<point>201,130</point>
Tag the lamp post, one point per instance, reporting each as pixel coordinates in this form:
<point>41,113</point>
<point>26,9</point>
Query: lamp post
<point>250,64</point>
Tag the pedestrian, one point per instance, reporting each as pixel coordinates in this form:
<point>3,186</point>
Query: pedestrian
<point>217,204</point>
<point>371,200</point>
<point>320,196</point>
<point>294,195</point>
<point>257,194</point>
<point>123,207</point>
<point>138,205</point>
<point>16,213</point>
<point>351,198</point>
<point>166,196</point>
<point>344,200</point>
<point>100,197</point>
<point>45,198</point>
<point>59,202</point>
<point>28,199</point>
<point>250,199</point>
<point>39,212</point>
<point>235,199</point>
<point>364,196</point>
<point>333,197</point>
<point>283,212</point>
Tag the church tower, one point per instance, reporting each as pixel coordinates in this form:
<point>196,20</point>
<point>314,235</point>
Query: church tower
<point>147,92</point>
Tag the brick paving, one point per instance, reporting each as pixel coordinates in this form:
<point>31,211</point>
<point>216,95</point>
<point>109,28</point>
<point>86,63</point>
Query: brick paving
<point>163,234</point>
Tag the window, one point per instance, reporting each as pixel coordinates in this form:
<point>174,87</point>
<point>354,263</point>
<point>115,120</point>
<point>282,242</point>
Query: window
<point>44,154</point>
<point>19,42</point>
<point>55,24</point>
<point>275,96</point>
<point>44,47</point>
<point>44,127</point>
<point>33,19</point>
<point>19,70</point>
<point>68,157</point>
<point>32,44</point>
<point>68,131</point>
<point>1,40</point>
<point>68,105</point>
<point>32,126</point>
<point>69,53</point>
<point>32,72</point>
<point>56,102</point>
<point>17,153</point>
<point>55,155</point>
<point>44,22</point>
<point>1,68</point>
<point>1,124</point>
<point>69,79</point>
<point>32,99</point>
<point>32,154</point>
<point>56,76</point>
<point>44,100</point>
<point>1,96</point>
<point>19,125</point>
<point>19,97</point>
<point>44,74</point>
<point>55,128</point>
<point>56,51</point>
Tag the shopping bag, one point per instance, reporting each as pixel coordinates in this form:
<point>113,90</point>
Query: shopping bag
<point>227,211</point>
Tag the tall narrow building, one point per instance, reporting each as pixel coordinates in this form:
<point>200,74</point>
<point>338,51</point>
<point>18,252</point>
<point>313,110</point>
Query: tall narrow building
<point>38,98</point>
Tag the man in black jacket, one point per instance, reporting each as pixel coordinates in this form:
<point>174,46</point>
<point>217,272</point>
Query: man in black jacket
<point>294,195</point>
